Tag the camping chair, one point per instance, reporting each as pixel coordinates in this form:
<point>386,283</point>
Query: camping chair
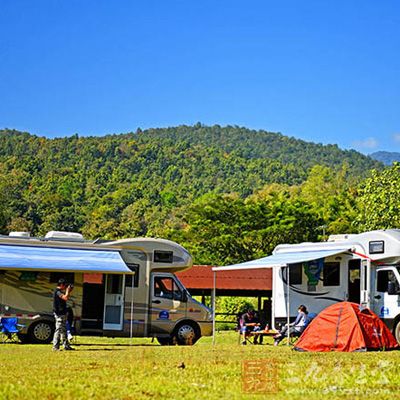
<point>250,336</point>
<point>294,336</point>
<point>10,329</point>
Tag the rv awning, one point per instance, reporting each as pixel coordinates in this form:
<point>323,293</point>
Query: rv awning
<point>35,258</point>
<point>283,259</point>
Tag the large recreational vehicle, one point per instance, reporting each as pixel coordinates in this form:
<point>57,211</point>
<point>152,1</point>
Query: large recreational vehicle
<point>362,268</point>
<point>121,288</point>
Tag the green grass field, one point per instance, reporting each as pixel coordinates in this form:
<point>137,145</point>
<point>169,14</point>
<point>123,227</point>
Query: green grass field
<point>104,368</point>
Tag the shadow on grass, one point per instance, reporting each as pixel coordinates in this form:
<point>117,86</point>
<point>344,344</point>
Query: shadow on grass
<point>91,350</point>
<point>115,345</point>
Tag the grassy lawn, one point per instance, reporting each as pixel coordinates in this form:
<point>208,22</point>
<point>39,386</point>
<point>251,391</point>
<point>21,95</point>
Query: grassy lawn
<point>121,369</point>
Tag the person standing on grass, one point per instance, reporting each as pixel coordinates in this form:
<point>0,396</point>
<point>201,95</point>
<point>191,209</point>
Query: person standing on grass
<point>60,297</point>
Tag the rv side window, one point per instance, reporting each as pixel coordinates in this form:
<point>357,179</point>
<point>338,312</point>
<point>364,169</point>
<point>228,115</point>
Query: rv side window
<point>166,288</point>
<point>295,274</point>
<point>354,270</point>
<point>331,274</point>
<point>383,278</point>
<point>128,278</point>
<point>377,247</point>
<point>114,284</point>
<point>28,276</point>
<point>162,256</point>
<point>69,277</point>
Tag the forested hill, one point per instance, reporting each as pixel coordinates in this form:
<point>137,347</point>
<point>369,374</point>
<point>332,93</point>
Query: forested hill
<point>250,144</point>
<point>119,185</point>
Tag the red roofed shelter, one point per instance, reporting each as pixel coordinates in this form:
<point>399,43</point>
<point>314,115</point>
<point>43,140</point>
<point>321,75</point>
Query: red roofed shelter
<point>252,283</point>
<point>199,281</point>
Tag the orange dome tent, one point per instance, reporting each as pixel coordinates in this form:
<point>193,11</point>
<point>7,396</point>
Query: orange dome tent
<point>346,326</point>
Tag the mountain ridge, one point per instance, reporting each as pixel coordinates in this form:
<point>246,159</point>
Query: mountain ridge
<point>130,182</point>
<point>386,157</point>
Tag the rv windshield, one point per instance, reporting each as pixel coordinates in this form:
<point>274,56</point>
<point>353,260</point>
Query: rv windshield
<point>386,276</point>
<point>168,288</point>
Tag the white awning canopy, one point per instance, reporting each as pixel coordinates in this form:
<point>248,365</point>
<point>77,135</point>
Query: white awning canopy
<point>283,259</point>
<point>39,258</point>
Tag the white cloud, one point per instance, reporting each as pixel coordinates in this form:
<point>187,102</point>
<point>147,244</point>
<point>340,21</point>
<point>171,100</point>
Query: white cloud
<point>396,137</point>
<point>367,143</point>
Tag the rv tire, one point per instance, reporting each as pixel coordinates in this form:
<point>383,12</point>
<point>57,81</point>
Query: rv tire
<point>187,333</point>
<point>41,332</point>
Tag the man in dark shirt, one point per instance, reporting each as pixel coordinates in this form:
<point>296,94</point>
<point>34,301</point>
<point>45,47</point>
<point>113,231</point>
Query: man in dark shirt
<point>249,323</point>
<point>60,297</point>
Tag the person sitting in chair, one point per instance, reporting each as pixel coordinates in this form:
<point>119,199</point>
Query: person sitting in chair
<point>295,328</point>
<point>249,323</point>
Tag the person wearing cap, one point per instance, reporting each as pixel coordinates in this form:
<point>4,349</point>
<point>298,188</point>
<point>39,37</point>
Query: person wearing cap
<point>249,323</point>
<point>61,295</point>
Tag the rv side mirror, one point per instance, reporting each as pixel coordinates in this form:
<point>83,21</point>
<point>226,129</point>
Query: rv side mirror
<point>391,289</point>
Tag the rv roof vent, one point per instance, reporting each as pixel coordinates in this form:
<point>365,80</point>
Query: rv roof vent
<point>68,236</point>
<point>20,234</point>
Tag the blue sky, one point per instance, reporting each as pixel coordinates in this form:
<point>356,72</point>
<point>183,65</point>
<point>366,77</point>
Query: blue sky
<point>321,71</point>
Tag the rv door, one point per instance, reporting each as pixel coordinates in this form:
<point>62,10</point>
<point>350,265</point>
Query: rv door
<point>386,295</point>
<point>114,302</point>
<point>365,283</point>
<point>168,303</point>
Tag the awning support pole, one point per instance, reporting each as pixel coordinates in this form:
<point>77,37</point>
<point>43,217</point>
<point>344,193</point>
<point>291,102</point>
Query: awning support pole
<point>131,326</point>
<point>213,305</point>
<point>288,304</point>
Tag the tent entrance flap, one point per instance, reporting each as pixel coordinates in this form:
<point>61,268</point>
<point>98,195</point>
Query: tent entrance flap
<point>283,259</point>
<point>35,258</point>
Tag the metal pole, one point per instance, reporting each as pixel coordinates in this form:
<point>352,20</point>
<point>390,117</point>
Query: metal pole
<point>213,305</point>
<point>275,272</point>
<point>288,304</point>
<point>131,327</point>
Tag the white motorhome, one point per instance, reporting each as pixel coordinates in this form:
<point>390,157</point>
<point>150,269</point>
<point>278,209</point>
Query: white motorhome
<point>362,268</point>
<point>121,288</point>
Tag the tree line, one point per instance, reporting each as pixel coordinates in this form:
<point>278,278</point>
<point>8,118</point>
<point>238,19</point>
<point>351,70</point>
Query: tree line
<point>228,194</point>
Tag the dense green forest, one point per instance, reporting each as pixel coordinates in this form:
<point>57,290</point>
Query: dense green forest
<point>226,193</point>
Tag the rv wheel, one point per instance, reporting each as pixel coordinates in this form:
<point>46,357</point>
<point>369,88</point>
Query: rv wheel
<point>41,332</point>
<point>187,333</point>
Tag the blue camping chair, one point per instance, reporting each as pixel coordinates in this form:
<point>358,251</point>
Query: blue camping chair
<point>9,329</point>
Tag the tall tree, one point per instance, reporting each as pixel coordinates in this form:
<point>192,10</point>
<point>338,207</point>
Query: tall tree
<point>379,200</point>
<point>225,229</point>
<point>331,193</point>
